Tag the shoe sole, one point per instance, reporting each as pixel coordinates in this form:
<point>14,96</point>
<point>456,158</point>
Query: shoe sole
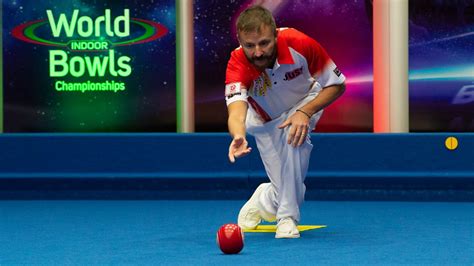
<point>287,236</point>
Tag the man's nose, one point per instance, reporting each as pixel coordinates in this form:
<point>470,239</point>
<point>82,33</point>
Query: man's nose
<point>258,51</point>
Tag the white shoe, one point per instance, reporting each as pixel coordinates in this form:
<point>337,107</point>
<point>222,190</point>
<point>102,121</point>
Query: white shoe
<point>251,213</point>
<point>286,228</point>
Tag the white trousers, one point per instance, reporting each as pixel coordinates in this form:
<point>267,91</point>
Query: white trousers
<point>285,165</point>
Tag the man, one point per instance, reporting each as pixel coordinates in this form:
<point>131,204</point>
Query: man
<point>277,83</point>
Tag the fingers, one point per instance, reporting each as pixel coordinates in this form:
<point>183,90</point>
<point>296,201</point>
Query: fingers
<point>291,134</point>
<point>241,153</point>
<point>238,148</point>
<point>285,124</point>
<point>303,135</point>
<point>231,157</point>
<point>297,135</point>
<point>234,145</point>
<point>299,128</point>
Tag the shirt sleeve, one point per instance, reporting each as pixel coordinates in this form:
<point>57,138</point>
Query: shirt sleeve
<point>239,77</point>
<point>235,92</point>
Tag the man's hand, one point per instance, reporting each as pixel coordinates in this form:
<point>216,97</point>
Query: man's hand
<point>299,123</point>
<point>238,148</point>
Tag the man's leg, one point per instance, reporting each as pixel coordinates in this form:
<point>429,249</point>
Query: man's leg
<point>252,213</point>
<point>286,166</point>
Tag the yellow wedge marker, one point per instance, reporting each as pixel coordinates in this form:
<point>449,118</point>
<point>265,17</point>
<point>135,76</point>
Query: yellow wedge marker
<point>272,228</point>
<point>451,143</point>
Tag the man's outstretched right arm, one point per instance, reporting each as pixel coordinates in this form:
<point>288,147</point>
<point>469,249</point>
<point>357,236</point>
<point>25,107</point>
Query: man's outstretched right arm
<point>236,123</point>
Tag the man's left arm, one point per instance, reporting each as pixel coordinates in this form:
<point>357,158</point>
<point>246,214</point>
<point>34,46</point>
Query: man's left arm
<point>300,120</point>
<point>326,73</point>
<point>325,97</point>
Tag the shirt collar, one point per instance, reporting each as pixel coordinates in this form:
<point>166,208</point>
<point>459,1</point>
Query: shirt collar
<point>284,54</point>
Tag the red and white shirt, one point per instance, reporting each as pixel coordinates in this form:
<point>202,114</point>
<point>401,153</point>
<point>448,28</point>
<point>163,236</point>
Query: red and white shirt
<point>301,62</point>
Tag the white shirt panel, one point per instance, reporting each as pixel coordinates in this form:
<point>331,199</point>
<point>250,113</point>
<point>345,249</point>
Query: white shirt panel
<point>279,89</point>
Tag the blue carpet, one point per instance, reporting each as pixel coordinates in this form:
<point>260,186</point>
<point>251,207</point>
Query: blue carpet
<point>183,233</point>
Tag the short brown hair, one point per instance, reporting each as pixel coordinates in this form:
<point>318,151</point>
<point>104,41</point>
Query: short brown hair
<point>252,18</point>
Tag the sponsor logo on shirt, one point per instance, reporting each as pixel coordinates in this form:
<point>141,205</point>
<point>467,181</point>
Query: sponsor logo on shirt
<point>293,74</point>
<point>232,95</point>
<point>337,72</point>
<point>232,89</point>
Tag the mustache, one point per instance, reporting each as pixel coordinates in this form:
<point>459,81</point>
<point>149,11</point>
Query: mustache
<point>261,58</point>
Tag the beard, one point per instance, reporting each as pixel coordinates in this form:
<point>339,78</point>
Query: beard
<point>261,60</point>
<point>264,61</point>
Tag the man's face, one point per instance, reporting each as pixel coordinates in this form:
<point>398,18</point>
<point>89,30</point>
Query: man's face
<point>259,47</point>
